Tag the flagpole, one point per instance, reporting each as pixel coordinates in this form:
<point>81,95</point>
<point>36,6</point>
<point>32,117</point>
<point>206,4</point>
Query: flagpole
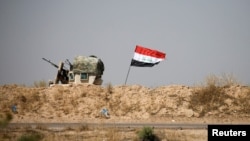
<point>127,74</point>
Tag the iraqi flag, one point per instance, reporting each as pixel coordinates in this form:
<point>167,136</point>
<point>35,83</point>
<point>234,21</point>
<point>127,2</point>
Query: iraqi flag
<point>145,57</point>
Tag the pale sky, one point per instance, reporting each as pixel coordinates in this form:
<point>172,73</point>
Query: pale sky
<point>200,37</point>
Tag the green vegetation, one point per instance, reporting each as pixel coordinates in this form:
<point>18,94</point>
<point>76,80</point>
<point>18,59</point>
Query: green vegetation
<point>34,136</point>
<point>147,134</point>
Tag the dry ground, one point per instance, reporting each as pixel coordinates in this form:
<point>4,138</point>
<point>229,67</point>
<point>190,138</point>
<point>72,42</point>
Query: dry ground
<point>134,103</point>
<point>101,134</point>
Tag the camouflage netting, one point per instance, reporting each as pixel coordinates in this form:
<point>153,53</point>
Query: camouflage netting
<point>89,64</point>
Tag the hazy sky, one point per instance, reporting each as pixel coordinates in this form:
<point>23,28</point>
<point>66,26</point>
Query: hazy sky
<point>200,37</point>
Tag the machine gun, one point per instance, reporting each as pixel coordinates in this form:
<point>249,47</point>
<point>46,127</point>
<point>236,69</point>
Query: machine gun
<point>62,74</point>
<point>70,65</point>
<point>84,69</point>
<point>50,63</point>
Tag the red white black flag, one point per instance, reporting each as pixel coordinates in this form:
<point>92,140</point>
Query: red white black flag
<point>145,57</point>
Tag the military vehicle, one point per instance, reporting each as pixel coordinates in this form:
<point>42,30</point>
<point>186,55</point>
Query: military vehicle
<point>85,69</point>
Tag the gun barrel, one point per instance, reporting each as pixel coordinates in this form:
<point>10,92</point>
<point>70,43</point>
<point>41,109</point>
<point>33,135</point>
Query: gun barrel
<point>70,65</point>
<point>50,62</point>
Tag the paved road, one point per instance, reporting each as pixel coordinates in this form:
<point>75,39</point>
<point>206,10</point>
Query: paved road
<point>58,126</point>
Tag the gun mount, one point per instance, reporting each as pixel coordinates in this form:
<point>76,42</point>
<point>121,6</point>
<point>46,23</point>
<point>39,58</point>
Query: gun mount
<point>62,74</point>
<point>83,70</point>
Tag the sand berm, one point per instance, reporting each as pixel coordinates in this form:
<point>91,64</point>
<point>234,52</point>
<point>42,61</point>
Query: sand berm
<point>130,103</point>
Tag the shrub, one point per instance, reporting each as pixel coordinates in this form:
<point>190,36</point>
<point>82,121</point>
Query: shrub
<point>212,95</point>
<point>222,80</point>
<point>207,99</point>
<point>147,134</point>
<point>31,137</point>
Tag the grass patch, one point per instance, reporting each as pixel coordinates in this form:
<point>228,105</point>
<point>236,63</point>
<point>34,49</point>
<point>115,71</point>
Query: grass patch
<point>34,136</point>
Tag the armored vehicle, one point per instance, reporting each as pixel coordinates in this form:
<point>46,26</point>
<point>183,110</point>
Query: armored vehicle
<point>85,69</point>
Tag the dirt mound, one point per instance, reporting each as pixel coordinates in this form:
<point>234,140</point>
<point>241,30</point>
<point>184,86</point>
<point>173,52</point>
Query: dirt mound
<point>81,103</point>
